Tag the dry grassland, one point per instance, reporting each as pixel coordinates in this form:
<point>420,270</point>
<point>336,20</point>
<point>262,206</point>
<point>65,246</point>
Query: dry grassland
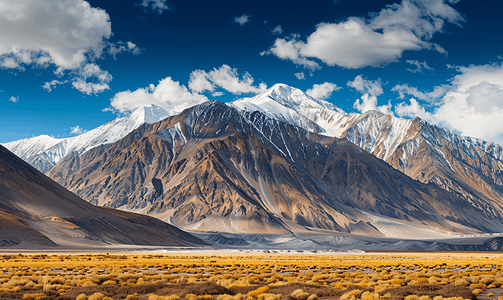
<point>252,277</point>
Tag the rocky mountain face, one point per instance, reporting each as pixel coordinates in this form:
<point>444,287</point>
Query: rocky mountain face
<point>468,167</point>
<point>44,152</point>
<point>37,212</point>
<point>217,168</point>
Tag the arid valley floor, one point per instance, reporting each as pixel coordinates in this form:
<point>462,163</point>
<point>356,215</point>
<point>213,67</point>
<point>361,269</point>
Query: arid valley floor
<point>201,274</point>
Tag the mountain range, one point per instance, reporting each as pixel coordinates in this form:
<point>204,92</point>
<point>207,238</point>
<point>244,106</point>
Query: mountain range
<point>468,167</point>
<point>282,162</point>
<point>44,152</point>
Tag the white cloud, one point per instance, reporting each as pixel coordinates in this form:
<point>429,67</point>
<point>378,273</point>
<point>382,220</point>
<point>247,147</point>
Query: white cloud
<point>199,82</point>
<point>277,30</point>
<point>49,86</point>
<point>217,94</point>
<point>242,19</point>
<point>156,5</point>
<point>412,110</point>
<point>89,87</point>
<point>77,130</point>
<point>323,91</point>
<point>14,99</point>
<point>405,89</point>
<point>353,44</point>
<point>369,102</point>
<point>379,39</point>
<point>420,66</point>
<point>10,63</point>
<point>372,87</point>
<point>472,106</point>
<point>226,78</point>
<point>91,71</point>
<point>289,49</point>
<point>300,75</point>
<point>120,47</point>
<point>168,94</point>
<point>64,32</point>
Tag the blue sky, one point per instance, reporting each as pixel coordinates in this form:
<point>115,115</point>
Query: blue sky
<point>71,65</point>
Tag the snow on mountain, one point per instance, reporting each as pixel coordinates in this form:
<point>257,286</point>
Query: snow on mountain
<point>369,131</point>
<point>468,167</point>
<point>289,104</point>
<point>373,131</point>
<point>213,168</point>
<point>44,152</point>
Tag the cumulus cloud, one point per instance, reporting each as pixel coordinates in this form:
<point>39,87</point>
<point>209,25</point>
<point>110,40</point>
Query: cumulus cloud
<point>472,105</point>
<point>290,49</point>
<point>199,82</point>
<point>158,6</point>
<point>226,78</point>
<point>323,91</point>
<point>40,32</point>
<point>89,87</point>
<point>14,99</point>
<point>370,89</point>
<point>66,34</point>
<point>420,66</point>
<point>242,19</point>
<point>49,86</point>
<point>120,47</point>
<point>300,75</point>
<point>412,110</point>
<point>362,85</point>
<point>169,94</point>
<point>91,79</point>
<point>217,94</point>
<point>77,130</point>
<point>376,40</point>
<point>369,102</point>
<point>10,63</point>
<point>406,89</point>
<point>277,30</point>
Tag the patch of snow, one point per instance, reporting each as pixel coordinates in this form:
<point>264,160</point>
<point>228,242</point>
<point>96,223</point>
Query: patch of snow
<point>52,150</point>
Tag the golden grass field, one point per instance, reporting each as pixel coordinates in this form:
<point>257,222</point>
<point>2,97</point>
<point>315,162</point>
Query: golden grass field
<point>433,276</point>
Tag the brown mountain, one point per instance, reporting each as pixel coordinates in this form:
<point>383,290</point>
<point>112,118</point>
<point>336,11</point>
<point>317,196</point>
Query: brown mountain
<point>215,168</point>
<point>36,212</point>
<point>468,167</point>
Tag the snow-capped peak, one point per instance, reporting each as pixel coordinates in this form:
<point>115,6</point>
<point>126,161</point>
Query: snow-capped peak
<point>149,114</point>
<point>294,106</point>
<point>43,152</point>
<point>292,98</point>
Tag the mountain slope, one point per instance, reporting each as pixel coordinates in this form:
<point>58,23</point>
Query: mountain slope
<point>470,168</point>
<point>43,152</point>
<point>35,211</point>
<point>215,168</point>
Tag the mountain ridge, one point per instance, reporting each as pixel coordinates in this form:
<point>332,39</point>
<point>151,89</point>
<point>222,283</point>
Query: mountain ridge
<point>44,152</point>
<point>469,167</point>
<point>214,167</point>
